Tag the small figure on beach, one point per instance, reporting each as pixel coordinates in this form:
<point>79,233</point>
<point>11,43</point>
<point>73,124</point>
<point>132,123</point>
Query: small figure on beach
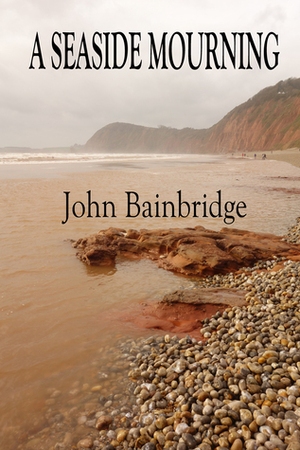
<point>264,156</point>
<point>254,155</point>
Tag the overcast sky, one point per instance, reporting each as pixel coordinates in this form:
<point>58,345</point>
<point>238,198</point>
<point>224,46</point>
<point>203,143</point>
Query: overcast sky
<point>48,108</point>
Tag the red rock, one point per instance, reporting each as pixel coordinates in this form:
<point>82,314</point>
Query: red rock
<point>190,251</point>
<point>203,296</point>
<point>132,234</point>
<point>295,258</point>
<point>182,311</point>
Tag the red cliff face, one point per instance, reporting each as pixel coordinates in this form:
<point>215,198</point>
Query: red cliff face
<point>270,120</point>
<point>274,124</point>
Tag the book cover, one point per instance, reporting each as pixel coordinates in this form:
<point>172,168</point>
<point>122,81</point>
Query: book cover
<point>149,190</point>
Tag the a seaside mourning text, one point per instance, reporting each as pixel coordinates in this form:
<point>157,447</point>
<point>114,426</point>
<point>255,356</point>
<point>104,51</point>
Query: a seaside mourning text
<point>195,50</point>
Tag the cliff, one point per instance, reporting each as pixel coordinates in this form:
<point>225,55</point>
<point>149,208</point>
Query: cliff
<point>270,120</point>
<point>126,137</point>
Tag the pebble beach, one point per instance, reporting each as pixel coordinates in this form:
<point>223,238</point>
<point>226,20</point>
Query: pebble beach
<point>69,365</point>
<point>240,389</point>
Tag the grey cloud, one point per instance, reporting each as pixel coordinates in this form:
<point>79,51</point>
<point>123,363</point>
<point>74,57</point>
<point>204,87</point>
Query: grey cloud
<point>56,108</point>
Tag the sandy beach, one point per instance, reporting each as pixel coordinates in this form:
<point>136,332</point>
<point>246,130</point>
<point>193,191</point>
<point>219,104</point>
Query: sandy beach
<point>290,155</point>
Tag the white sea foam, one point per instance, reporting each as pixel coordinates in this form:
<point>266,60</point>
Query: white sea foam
<point>60,157</point>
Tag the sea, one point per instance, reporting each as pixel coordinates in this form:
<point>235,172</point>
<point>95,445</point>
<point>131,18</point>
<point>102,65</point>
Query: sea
<point>56,314</point>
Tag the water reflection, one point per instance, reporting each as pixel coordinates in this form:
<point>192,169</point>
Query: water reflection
<point>96,271</point>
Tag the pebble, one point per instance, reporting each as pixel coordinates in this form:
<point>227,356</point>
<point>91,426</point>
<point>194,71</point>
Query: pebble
<point>85,443</point>
<point>238,390</point>
<point>103,422</point>
<point>237,445</point>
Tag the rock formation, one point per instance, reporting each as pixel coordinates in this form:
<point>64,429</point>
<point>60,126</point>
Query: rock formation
<point>189,251</point>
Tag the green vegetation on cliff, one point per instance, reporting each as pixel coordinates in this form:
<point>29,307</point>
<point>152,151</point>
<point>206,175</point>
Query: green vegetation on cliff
<point>267,121</point>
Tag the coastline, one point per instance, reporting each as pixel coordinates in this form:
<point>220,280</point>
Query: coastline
<point>238,390</point>
<point>66,385</point>
<point>291,155</point>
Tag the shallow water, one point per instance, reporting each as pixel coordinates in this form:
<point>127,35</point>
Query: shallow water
<point>55,313</point>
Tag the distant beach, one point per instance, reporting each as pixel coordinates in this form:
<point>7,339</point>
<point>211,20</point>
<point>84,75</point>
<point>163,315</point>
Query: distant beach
<point>290,155</point>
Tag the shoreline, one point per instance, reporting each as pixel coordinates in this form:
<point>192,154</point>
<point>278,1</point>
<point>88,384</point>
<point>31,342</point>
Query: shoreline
<point>238,390</point>
<point>64,307</point>
<point>291,155</point>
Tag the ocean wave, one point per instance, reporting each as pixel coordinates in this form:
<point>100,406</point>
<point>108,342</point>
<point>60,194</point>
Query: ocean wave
<point>44,158</point>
